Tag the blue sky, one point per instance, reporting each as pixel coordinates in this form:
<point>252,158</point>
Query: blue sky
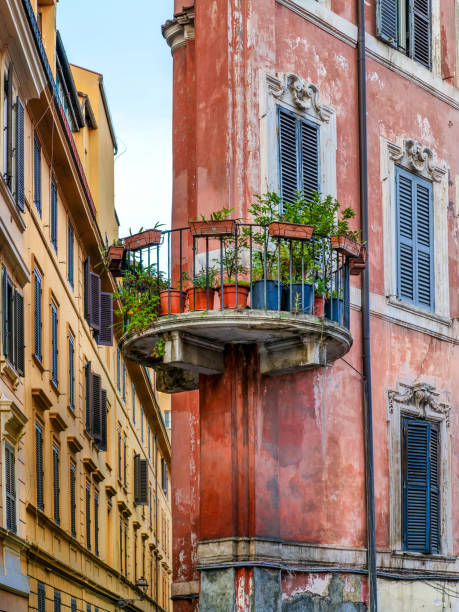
<point>125,44</point>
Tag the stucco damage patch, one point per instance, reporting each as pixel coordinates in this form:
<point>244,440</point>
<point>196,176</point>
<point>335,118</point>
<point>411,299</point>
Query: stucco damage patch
<point>323,593</point>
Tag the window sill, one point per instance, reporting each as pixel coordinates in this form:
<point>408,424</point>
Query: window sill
<point>54,387</point>
<point>419,312</point>
<point>71,411</point>
<point>38,363</point>
<point>407,554</point>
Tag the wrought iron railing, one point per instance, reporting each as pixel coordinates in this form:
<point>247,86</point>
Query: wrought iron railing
<point>247,268</point>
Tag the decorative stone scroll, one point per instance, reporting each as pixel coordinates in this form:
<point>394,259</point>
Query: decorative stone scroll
<point>303,96</point>
<point>420,397</point>
<point>417,157</point>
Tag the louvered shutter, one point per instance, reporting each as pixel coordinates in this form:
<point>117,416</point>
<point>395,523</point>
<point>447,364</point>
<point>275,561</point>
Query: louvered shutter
<point>405,230</point>
<point>309,158</point>
<point>72,500</point>
<point>37,174</point>
<point>143,482</point>
<point>96,523</point>
<point>88,516</point>
<point>37,322</point>
<point>288,155</point>
<point>387,21</point>
<point>420,31</point>
<point>10,486</point>
<point>94,298</point>
<point>424,244</point>
<point>41,597</point>
<point>54,215</point>
<point>19,312</point>
<point>73,606</point>
<point>57,601</point>
<point>87,289</point>
<point>20,154</point>
<point>39,465</point>
<point>119,453</point>
<point>105,336</point>
<point>9,129</point>
<point>5,312</point>
<point>70,249</point>
<point>88,395</point>
<point>421,486</point>
<point>56,484</point>
<point>96,406</point>
<point>103,422</point>
<point>124,381</point>
<point>125,461</point>
<point>71,372</point>
<point>54,345</point>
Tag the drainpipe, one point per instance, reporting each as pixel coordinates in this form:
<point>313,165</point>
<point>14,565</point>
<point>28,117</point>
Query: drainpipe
<point>366,354</point>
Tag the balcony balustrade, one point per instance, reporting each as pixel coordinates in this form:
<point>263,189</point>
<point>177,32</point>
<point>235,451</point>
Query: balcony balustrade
<point>247,284</point>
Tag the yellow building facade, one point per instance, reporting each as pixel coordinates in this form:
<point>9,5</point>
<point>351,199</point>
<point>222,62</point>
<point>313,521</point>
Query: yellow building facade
<point>85,495</point>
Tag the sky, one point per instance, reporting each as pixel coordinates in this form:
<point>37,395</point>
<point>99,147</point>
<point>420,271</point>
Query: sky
<point>125,44</point>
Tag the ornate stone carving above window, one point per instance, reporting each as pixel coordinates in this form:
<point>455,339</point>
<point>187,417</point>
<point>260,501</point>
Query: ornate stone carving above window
<point>416,157</point>
<point>421,399</point>
<point>303,96</point>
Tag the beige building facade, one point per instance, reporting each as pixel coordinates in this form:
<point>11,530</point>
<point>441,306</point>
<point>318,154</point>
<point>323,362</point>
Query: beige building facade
<point>84,505</point>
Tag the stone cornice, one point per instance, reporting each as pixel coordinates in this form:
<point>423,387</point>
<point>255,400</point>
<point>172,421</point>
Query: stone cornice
<point>179,30</point>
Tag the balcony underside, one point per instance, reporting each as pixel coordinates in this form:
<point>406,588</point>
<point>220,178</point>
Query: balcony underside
<point>194,343</point>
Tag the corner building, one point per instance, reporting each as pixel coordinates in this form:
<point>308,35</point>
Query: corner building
<point>269,488</point>
<point>84,504</point>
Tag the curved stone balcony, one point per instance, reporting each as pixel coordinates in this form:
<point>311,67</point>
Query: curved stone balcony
<point>287,339</point>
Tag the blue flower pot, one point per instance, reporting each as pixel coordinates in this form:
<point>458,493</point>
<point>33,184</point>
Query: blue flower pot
<point>297,298</point>
<point>334,310</point>
<point>272,295</point>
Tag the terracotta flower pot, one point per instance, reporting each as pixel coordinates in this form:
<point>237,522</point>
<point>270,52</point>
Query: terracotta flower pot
<point>197,298</point>
<point>345,245</point>
<point>142,239</point>
<point>318,306</point>
<point>115,260</point>
<point>226,227</point>
<point>357,264</point>
<point>229,295</point>
<point>170,301</point>
<point>293,231</point>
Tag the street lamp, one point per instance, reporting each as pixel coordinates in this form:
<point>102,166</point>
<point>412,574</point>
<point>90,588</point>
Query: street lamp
<point>142,585</point>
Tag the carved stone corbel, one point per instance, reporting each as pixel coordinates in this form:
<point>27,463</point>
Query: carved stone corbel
<point>12,421</point>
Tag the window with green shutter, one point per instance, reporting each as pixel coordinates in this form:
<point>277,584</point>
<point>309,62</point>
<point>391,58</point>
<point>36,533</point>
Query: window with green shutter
<point>299,155</point>
<point>415,240</point>
<point>10,487</point>
<point>407,26</point>
<point>421,482</point>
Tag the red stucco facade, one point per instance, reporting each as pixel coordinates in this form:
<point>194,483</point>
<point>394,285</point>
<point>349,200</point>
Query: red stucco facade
<point>281,458</point>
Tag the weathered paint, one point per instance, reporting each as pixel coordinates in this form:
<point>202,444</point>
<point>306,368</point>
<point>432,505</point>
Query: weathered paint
<point>282,458</point>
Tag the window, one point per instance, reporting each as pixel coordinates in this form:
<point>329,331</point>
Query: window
<point>18,187</point>
<point>73,605</point>
<point>125,549</point>
<point>415,268</point>
<point>70,249</point>
<point>73,500</point>
<point>299,167</point>
<point>87,395</point>
<point>54,344</point>
<point>39,465</point>
<point>141,423</point>
<point>135,556</point>
<point>167,419</point>
<point>41,601</point>
<point>7,124</point>
<point>71,371</point>
<point>124,381</point>
<point>56,484</point>
<point>133,403</point>
<point>37,320</point>
<point>88,607</point>
<point>140,481</point>
<point>150,505</point>
<point>88,516</point>
<point>57,601</point>
<point>407,26</point>
<point>96,523</point>
<point>164,478</point>
<point>10,486</point>
<point>421,493</point>
<point>118,358</point>
<point>119,453</point>
<point>149,441</point>
<point>121,546</point>
<point>125,461</point>
<point>53,214</point>
<point>37,174</point>
<point>12,323</point>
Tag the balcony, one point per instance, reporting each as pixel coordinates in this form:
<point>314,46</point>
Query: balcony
<point>204,287</point>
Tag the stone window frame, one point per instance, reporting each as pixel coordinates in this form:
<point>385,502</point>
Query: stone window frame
<point>418,159</point>
<point>419,400</point>
<point>295,94</point>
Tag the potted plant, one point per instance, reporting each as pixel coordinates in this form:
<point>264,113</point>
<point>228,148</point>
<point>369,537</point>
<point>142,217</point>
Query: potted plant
<point>357,264</point>
<point>334,307</point>
<point>138,297</point>
<point>218,224</point>
<point>201,293</point>
<point>232,263</point>
<point>115,254</point>
<point>143,238</point>
<point>172,301</point>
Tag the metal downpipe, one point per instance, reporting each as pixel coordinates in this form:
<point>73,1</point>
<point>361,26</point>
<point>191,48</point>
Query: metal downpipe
<point>365,293</point>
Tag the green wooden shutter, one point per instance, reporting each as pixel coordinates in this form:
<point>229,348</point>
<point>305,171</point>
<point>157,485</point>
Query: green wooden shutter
<point>37,174</point>
<point>72,500</point>
<point>37,321</point>
<point>41,602</point>
<point>105,336</point>
<point>56,485</point>
<point>288,155</point>
<point>387,21</point>
<point>420,31</point>
<point>421,503</point>
<point>39,465</point>
<point>19,153</point>
<point>310,166</point>
<point>19,335</point>
<point>10,487</point>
